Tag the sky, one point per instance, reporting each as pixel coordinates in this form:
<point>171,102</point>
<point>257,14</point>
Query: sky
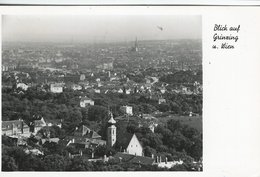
<point>99,28</point>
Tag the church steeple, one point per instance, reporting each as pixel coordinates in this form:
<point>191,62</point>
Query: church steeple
<point>136,45</point>
<point>111,131</point>
<point>111,120</point>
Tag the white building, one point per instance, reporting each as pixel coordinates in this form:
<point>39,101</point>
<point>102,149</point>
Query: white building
<point>82,77</point>
<point>97,90</point>
<point>127,110</point>
<point>56,88</point>
<point>76,87</point>
<point>161,100</point>
<point>120,91</point>
<point>134,147</point>
<point>38,125</point>
<point>86,101</point>
<point>22,86</point>
<point>128,91</point>
<point>152,126</point>
<point>163,90</point>
<point>169,164</point>
<point>111,131</point>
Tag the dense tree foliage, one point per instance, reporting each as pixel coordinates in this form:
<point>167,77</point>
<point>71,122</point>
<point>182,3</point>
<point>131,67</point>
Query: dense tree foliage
<point>174,140</point>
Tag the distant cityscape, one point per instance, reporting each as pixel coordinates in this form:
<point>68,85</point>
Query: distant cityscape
<point>112,106</point>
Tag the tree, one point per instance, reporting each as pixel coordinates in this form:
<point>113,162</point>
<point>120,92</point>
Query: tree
<point>148,151</point>
<point>54,162</point>
<point>80,164</point>
<point>32,163</point>
<point>19,155</point>
<point>8,163</point>
<point>164,107</point>
<point>132,128</point>
<point>97,113</point>
<point>100,151</point>
<point>155,140</point>
<point>7,141</point>
<point>52,148</point>
<point>175,108</point>
<point>174,125</point>
<point>178,167</point>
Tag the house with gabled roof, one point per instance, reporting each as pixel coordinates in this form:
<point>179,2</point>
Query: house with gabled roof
<point>84,137</point>
<point>36,125</point>
<point>134,147</point>
<point>86,132</point>
<point>15,127</point>
<point>84,101</point>
<point>56,88</point>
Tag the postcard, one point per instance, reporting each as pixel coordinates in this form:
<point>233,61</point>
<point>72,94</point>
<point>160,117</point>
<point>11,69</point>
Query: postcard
<point>137,89</point>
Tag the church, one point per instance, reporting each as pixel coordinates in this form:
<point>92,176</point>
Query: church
<point>133,147</point>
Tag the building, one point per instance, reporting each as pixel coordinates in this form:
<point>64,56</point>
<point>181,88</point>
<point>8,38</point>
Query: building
<point>127,110</point>
<point>161,100</point>
<point>4,68</point>
<point>134,147</point>
<point>163,90</point>
<point>128,91</point>
<point>54,122</point>
<point>76,87</point>
<point>74,66</point>
<point>120,91</point>
<point>84,131</point>
<point>97,90</point>
<point>15,127</point>
<point>56,88</point>
<point>108,66</point>
<point>82,77</point>
<point>37,125</point>
<point>83,137</point>
<point>152,126</point>
<point>111,131</point>
<point>22,86</point>
<point>135,47</point>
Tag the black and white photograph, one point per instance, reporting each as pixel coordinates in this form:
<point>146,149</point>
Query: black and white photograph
<point>102,93</point>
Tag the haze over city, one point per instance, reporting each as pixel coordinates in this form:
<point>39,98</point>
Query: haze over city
<point>102,93</point>
<point>99,28</point>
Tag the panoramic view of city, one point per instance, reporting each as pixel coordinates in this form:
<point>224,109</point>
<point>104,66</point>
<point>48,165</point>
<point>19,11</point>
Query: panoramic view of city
<point>102,93</point>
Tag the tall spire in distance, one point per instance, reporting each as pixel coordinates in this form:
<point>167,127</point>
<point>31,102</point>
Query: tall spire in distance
<point>136,45</point>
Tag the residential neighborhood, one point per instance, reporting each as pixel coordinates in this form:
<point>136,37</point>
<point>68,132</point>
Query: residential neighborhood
<point>117,105</point>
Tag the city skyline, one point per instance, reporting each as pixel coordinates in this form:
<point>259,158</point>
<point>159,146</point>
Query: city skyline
<point>98,28</point>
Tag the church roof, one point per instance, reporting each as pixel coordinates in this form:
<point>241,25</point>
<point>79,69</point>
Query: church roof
<point>111,120</point>
<point>125,138</point>
<point>132,139</point>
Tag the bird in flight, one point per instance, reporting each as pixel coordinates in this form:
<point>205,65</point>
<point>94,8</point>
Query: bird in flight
<point>160,28</point>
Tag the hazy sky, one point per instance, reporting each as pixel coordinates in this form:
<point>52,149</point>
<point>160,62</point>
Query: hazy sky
<point>97,28</point>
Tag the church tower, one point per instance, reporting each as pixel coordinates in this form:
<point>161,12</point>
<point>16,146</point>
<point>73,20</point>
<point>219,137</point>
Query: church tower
<point>111,131</point>
<point>136,45</point>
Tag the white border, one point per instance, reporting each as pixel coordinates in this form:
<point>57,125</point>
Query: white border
<point>231,121</point>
